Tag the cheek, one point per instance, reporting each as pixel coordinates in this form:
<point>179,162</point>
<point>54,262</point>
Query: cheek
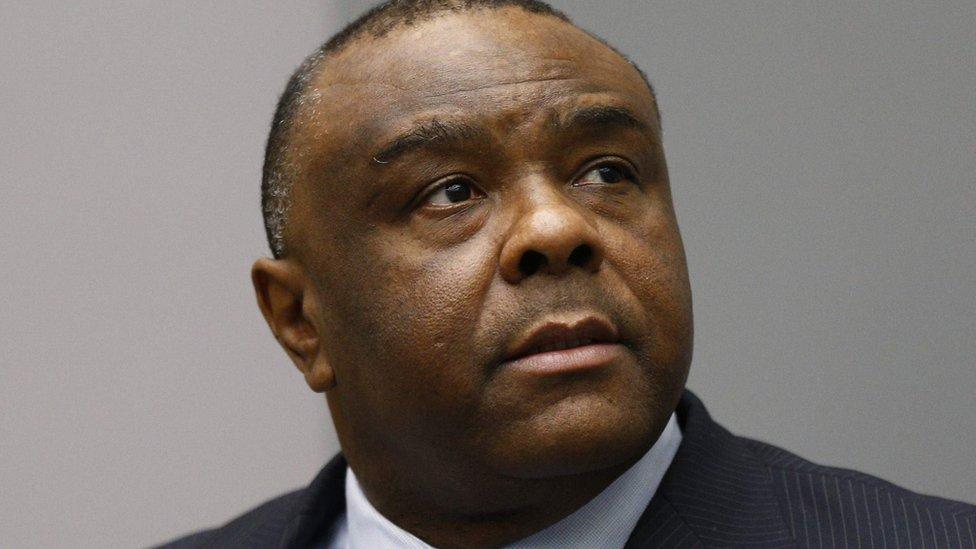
<point>406,324</point>
<point>649,257</point>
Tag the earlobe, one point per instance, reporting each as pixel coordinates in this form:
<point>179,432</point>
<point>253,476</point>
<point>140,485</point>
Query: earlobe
<point>320,377</point>
<point>289,308</point>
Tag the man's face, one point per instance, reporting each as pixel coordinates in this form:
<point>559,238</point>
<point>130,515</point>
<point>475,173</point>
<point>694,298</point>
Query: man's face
<point>468,184</point>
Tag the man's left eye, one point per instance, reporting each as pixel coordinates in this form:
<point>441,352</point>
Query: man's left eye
<point>606,174</point>
<point>454,192</point>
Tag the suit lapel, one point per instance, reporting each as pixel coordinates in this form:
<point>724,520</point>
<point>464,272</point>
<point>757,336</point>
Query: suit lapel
<point>323,502</point>
<point>661,526</point>
<point>715,494</point>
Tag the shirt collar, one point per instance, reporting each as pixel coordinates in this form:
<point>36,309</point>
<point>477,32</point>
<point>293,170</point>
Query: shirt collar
<point>605,521</point>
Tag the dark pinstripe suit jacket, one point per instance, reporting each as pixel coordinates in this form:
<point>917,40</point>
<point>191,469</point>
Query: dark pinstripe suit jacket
<point>720,491</point>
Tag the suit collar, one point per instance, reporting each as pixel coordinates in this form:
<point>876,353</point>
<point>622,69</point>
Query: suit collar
<point>715,493</point>
<point>322,503</point>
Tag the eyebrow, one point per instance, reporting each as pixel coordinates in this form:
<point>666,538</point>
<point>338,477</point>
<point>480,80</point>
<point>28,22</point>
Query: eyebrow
<point>428,133</point>
<point>602,116</point>
<point>436,132</point>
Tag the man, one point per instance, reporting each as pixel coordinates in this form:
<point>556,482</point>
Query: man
<point>477,260</point>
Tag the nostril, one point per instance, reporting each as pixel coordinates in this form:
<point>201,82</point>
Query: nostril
<point>581,256</point>
<point>531,262</point>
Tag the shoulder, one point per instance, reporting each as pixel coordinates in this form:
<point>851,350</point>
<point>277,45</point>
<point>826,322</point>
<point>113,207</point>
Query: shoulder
<point>267,522</point>
<point>829,503</point>
<point>294,519</point>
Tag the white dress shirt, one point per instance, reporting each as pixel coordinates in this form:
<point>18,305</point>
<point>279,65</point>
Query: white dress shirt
<point>606,521</point>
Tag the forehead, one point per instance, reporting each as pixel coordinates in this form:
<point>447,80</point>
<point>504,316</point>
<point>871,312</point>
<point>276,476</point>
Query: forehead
<point>500,64</point>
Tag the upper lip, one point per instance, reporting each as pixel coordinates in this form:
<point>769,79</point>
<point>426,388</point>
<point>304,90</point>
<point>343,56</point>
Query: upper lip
<point>588,330</point>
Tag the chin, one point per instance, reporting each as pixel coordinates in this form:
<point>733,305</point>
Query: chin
<point>576,435</point>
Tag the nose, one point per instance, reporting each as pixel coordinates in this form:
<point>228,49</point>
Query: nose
<point>550,237</point>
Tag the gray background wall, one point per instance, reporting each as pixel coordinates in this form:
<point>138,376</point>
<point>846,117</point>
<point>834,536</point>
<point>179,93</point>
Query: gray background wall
<point>822,157</point>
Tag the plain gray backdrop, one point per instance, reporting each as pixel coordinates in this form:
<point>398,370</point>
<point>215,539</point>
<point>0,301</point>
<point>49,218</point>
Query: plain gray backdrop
<point>822,158</point>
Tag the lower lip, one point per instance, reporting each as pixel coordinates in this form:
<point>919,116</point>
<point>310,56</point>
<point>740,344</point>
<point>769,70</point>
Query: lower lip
<point>577,359</point>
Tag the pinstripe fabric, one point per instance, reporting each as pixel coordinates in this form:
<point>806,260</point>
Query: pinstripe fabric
<point>717,489</point>
<point>720,491</point>
<point>831,507</point>
<point>729,491</point>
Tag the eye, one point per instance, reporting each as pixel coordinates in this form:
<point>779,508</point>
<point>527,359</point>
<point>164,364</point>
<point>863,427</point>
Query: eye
<point>453,192</point>
<point>606,174</point>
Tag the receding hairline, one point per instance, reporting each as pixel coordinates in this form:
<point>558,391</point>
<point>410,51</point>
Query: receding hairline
<point>300,94</point>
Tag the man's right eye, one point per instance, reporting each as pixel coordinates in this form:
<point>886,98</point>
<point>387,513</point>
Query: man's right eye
<point>453,192</point>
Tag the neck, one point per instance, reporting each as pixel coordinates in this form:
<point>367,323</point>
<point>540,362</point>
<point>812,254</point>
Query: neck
<point>449,497</point>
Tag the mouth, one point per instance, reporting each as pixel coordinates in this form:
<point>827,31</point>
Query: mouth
<point>562,347</point>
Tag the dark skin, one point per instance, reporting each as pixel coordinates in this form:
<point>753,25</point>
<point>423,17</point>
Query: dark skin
<point>436,159</point>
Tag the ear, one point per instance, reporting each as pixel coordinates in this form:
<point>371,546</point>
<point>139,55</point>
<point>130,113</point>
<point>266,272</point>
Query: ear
<point>290,306</point>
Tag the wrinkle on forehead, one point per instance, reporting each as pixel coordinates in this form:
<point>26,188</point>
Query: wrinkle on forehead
<point>360,85</point>
<point>495,85</point>
<point>437,79</point>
